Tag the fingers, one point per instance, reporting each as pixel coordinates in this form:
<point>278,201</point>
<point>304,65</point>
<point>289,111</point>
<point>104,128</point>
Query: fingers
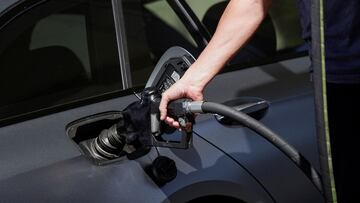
<point>163,106</point>
<point>174,92</point>
<point>169,95</point>
<point>172,122</point>
<point>163,111</point>
<point>179,90</point>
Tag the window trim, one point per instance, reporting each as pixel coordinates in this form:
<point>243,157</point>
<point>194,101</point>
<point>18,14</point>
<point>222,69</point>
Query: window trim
<point>17,9</point>
<point>192,23</point>
<point>121,44</point>
<point>67,106</point>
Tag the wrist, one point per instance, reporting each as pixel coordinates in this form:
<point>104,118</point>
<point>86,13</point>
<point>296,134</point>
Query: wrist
<point>193,80</point>
<point>197,76</point>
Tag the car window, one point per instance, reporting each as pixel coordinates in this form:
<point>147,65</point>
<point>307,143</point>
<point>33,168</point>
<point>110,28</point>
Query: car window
<point>151,28</point>
<point>280,32</point>
<point>57,53</point>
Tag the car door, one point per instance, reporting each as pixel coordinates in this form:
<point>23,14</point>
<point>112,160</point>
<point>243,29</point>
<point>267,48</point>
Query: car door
<point>61,61</point>
<point>56,58</point>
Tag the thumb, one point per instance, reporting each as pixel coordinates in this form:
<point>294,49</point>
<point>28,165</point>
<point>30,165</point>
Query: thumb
<point>196,95</point>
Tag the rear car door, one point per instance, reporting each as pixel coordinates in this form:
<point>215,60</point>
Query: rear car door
<point>59,60</point>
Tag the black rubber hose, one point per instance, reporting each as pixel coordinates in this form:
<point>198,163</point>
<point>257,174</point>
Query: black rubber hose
<point>259,128</point>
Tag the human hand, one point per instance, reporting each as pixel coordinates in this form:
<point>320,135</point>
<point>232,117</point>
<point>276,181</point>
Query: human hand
<point>184,88</point>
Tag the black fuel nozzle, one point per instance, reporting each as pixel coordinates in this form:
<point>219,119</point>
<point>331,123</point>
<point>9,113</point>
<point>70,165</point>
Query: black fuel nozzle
<point>140,125</point>
<point>176,109</point>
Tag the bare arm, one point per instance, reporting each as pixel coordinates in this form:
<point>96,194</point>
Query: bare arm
<point>239,21</point>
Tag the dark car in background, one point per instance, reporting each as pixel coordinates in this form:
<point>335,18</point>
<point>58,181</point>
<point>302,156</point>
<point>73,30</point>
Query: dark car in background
<point>61,61</point>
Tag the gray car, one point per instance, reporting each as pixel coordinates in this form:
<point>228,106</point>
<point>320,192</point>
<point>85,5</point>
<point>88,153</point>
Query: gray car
<point>69,68</point>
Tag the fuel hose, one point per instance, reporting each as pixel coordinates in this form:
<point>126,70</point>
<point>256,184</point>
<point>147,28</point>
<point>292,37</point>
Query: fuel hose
<point>262,130</point>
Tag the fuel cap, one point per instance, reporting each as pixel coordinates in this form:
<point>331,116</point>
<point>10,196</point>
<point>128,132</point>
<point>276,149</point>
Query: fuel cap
<point>162,170</point>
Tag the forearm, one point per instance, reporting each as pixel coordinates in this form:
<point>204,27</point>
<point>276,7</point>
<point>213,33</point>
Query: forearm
<point>239,21</point>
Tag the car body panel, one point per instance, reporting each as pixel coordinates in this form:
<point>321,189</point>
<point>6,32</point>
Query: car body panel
<point>274,170</point>
<point>291,115</point>
<point>50,161</point>
<point>271,81</point>
<point>43,141</point>
<point>40,162</point>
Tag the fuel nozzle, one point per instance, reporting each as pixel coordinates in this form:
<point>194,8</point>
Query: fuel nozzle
<point>140,125</point>
<point>151,97</point>
<point>179,110</point>
<point>108,144</point>
<point>111,141</point>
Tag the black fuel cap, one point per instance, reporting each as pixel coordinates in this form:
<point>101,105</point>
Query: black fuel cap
<point>162,170</point>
